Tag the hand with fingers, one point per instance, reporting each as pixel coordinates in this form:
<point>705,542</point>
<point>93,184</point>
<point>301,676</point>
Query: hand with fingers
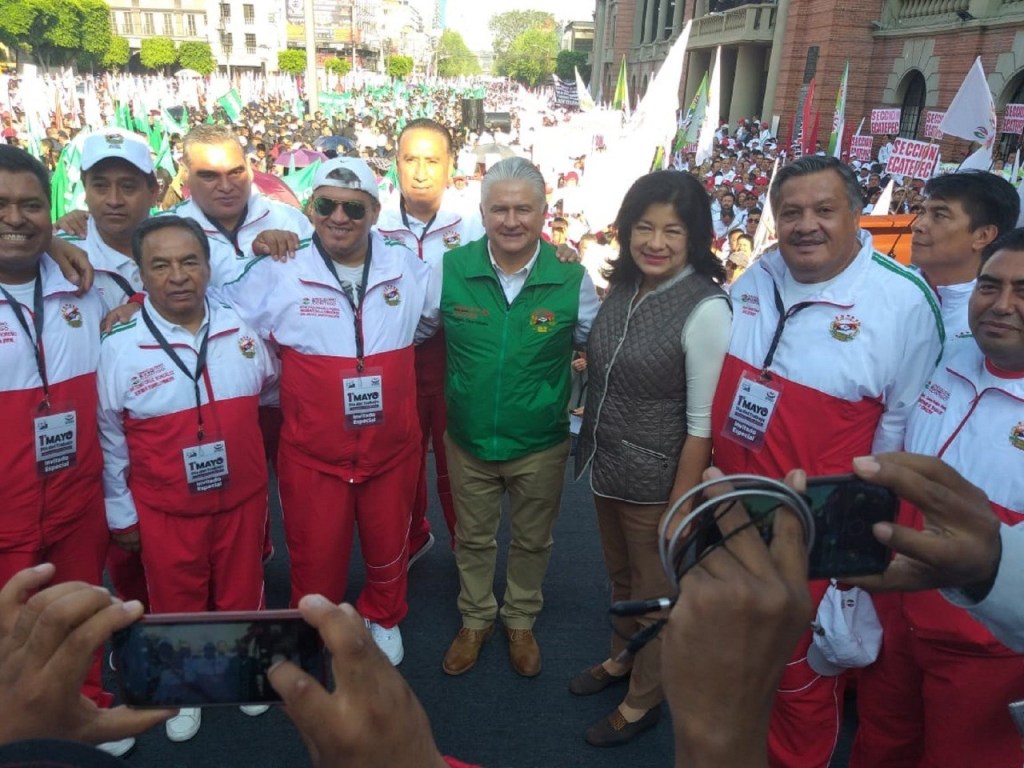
<point>73,262</point>
<point>372,718</point>
<point>48,641</point>
<point>121,314</point>
<point>740,612</point>
<point>278,244</point>
<point>960,544</point>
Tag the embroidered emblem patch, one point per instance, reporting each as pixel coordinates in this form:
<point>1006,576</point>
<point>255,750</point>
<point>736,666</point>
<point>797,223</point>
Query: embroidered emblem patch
<point>71,315</point>
<point>844,328</point>
<point>1017,436</point>
<point>542,320</point>
<point>452,239</point>
<point>391,296</point>
<point>247,347</point>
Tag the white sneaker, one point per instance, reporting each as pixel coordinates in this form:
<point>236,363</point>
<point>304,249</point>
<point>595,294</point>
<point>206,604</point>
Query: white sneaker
<point>427,545</point>
<point>254,710</point>
<point>389,640</point>
<point>185,724</point>
<point>118,748</point>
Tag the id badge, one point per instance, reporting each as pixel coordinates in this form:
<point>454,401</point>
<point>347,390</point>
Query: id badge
<point>751,411</point>
<point>206,466</point>
<point>56,440</point>
<point>363,397</point>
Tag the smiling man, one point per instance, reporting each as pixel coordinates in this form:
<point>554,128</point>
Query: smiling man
<point>512,315</point>
<point>832,341</point>
<point>346,312</point>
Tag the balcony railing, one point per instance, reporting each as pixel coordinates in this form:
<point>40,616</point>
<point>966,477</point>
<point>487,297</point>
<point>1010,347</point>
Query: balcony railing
<point>746,24</point>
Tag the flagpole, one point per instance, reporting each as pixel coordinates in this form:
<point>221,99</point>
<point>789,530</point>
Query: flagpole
<point>312,88</point>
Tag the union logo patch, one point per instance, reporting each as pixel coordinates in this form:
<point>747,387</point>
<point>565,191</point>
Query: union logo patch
<point>391,296</point>
<point>844,328</point>
<point>247,347</point>
<point>1017,436</point>
<point>71,315</point>
<point>452,239</point>
<point>542,320</point>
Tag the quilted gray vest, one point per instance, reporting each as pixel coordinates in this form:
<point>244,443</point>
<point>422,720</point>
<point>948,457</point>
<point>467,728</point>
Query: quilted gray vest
<point>634,422</point>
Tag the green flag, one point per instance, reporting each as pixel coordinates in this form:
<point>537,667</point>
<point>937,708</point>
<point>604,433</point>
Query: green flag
<point>173,126</point>
<point>163,157</point>
<point>232,104</point>
<point>67,193</point>
<point>123,116</point>
<point>835,142</point>
<point>621,98</point>
<point>301,181</point>
<point>690,129</point>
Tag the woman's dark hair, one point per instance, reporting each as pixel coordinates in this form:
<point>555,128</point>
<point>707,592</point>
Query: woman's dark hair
<point>693,207</point>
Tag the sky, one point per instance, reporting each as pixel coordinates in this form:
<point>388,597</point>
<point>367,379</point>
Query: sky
<point>470,17</point>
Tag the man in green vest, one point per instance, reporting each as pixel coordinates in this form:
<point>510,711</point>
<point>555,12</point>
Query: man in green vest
<point>513,314</point>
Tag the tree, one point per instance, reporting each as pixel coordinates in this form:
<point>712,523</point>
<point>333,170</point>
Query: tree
<point>340,67</point>
<point>157,53</point>
<point>292,61</point>
<point>397,65</point>
<point>506,27</point>
<point>197,55</point>
<point>454,59</point>
<point>56,32</point>
<point>530,58</point>
<point>568,62</point>
<point>94,30</point>
<point>117,54</point>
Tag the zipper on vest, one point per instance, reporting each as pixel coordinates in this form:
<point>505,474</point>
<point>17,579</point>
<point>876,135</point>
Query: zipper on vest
<point>497,389</point>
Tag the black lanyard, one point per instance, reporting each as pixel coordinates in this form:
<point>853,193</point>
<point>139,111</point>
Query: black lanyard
<point>346,289</point>
<point>200,363</point>
<point>426,227</point>
<point>784,315</point>
<point>232,234</point>
<point>37,323</point>
<point>122,283</point>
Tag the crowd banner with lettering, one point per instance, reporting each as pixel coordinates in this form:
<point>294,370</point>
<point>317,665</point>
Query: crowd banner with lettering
<point>931,124</point>
<point>565,93</point>
<point>860,147</point>
<point>885,122</point>
<point>1013,118</point>
<point>913,159</point>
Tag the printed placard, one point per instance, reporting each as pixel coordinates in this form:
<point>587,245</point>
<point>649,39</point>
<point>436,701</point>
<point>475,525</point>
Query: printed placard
<point>885,121</point>
<point>915,159</point>
<point>1013,118</point>
<point>860,147</point>
<point>931,124</point>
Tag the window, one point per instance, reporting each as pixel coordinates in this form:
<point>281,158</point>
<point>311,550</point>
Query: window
<point>168,24</point>
<point>148,26</point>
<point>250,43</point>
<point>127,24</point>
<point>225,11</point>
<point>227,42</point>
<point>913,105</point>
<point>249,13</point>
<point>190,25</point>
<point>113,22</point>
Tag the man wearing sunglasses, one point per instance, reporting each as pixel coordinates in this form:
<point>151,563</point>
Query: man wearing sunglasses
<point>346,312</point>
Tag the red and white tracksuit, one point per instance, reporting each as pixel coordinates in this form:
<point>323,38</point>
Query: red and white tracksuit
<point>937,695</point>
<point>448,230</point>
<point>849,366</point>
<point>56,516</point>
<point>201,549</point>
<point>116,280</point>
<point>333,475</point>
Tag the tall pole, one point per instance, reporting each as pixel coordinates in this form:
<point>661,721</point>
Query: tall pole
<point>352,33</point>
<point>312,87</point>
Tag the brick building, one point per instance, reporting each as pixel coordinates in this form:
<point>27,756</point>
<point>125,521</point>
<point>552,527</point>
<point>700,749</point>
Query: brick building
<point>911,54</point>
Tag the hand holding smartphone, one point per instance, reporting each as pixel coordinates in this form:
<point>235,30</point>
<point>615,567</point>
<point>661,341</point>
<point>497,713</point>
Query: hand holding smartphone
<point>212,659</point>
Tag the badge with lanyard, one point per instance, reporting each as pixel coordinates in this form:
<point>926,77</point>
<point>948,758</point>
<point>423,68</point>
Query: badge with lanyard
<point>362,389</point>
<point>758,395</point>
<point>55,425</point>
<point>206,459</point>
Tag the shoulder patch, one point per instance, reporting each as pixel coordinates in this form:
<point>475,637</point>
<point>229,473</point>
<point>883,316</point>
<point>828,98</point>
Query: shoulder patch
<point>118,328</point>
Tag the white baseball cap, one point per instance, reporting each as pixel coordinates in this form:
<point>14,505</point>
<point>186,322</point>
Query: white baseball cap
<point>114,142</point>
<point>347,173</point>
<point>846,633</point>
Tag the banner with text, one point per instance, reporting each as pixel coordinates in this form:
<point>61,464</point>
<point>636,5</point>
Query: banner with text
<point>885,121</point>
<point>860,147</point>
<point>914,159</point>
<point>1013,118</point>
<point>931,124</point>
<point>565,93</point>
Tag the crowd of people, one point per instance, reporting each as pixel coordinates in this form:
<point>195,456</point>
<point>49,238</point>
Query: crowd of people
<point>340,342</point>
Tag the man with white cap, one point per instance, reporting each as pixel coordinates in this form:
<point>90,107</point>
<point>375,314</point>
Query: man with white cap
<point>346,313</point>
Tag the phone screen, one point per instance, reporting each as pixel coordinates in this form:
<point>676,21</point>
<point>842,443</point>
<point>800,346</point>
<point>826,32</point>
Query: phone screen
<point>197,660</point>
<point>844,508</point>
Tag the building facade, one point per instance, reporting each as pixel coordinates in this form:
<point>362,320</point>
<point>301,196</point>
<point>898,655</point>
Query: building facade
<point>911,54</point>
<point>247,34</point>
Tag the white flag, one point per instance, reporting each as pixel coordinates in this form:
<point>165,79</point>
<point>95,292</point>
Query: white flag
<point>972,116</point>
<point>582,94</point>
<point>884,200</point>
<point>706,140</point>
<point>765,236</point>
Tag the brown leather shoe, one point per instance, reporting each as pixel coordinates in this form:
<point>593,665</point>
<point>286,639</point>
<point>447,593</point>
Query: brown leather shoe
<point>594,680</point>
<point>523,651</point>
<point>614,730</point>
<point>465,649</point>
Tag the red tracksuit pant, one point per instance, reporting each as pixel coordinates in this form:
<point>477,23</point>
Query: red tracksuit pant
<point>433,412</point>
<point>320,515</point>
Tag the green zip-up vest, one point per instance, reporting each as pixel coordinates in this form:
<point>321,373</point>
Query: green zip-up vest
<point>508,379</point>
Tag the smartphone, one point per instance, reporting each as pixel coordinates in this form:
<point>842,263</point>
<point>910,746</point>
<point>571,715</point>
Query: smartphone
<point>211,659</point>
<point>844,508</point>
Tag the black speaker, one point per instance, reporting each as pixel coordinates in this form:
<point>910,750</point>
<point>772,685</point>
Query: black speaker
<point>473,114</point>
<point>498,122</point>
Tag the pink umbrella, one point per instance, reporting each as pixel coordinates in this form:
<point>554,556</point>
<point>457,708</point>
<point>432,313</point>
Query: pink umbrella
<point>302,157</point>
<point>274,186</point>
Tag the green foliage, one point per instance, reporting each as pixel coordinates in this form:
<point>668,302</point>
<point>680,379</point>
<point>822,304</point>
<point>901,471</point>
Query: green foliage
<point>117,54</point>
<point>454,59</point>
<point>506,27</point>
<point>57,32</point>
<point>292,61</point>
<point>568,61</point>
<point>530,58</point>
<point>340,67</point>
<point>95,29</point>
<point>197,55</point>
<point>157,53</point>
<point>397,65</point>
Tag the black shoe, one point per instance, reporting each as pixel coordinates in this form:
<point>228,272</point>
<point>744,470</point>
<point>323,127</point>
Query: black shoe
<point>594,680</point>
<point>614,730</point>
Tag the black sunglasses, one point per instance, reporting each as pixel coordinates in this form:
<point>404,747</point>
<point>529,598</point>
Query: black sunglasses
<point>324,206</point>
